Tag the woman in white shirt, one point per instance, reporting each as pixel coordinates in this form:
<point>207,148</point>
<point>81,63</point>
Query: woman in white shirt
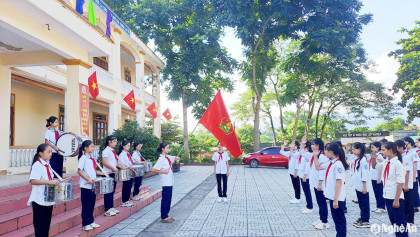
<point>51,136</point>
<point>125,162</point>
<point>303,172</point>
<point>110,161</point>
<point>221,171</point>
<point>376,177</point>
<point>163,167</point>
<point>138,160</point>
<point>293,155</point>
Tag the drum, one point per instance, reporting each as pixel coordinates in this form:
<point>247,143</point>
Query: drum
<point>148,166</point>
<point>123,175</point>
<point>69,143</point>
<point>139,170</point>
<point>103,185</point>
<point>61,192</point>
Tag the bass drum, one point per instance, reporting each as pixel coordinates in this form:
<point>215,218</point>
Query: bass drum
<point>69,144</point>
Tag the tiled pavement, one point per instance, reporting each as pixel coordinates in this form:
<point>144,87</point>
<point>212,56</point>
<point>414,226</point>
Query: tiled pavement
<point>258,206</point>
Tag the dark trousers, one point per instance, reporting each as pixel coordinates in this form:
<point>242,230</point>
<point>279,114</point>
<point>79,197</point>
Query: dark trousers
<point>219,177</point>
<point>296,186</point>
<point>137,184</point>
<point>339,219</point>
<point>307,192</point>
<point>88,198</point>
<point>165,205</point>
<point>416,194</point>
<point>126,190</point>
<point>363,200</point>
<point>378,190</point>
<point>56,163</point>
<point>409,205</point>
<point>397,216</point>
<point>41,219</point>
<point>322,204</point>
<point>109,197</point>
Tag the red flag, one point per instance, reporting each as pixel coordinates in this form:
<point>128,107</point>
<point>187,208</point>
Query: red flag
<point>153,110</point>
<point>93,85</point>
<point>167,114</point>
<point>216,119</point>
<point>130,100</point>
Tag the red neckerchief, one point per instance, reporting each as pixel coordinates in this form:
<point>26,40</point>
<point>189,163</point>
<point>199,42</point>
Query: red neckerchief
<point>220,157</point>
<point>169,161</point>
<point>129,157</point>
<point>115,154</point>
<point>93,160</point>
<point>386,172</point>
<point>57,135</point>
<point>354,167</point>
<point>326,174</point>
<point>300,158</point>
<point>370,162</point>
<point>312,160</point>
<point>48,170</point>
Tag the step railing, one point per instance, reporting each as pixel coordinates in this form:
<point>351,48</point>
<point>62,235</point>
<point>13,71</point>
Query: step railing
<point>19,157</point>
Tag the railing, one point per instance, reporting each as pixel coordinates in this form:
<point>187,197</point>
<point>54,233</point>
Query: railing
<point>21,157</point>
<point>149,99</point>
<point>127,88</point>
<point>104,78</point>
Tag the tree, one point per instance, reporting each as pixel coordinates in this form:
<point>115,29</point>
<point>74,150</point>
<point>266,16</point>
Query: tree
<point>246,138</point>
<point>172,131</point>
<point>409,72</point>
<point>393,125</point>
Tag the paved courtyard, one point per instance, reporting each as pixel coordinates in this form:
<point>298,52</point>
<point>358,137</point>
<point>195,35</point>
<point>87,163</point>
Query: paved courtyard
<point>258,205</point>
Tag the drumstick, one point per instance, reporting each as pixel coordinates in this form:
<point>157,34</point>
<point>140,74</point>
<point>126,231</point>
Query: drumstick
<point>58,176</point>
<point>105,173</point>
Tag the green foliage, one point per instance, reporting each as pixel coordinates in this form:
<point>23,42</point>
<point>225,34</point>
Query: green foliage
<point>360,129</point>
<point>171,131</point>
<point>393,125</point>
<point>245,137</point>
<point>202,141</point>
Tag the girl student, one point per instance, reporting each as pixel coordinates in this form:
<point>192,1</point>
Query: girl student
<point>221,171</point>
<point>393,179</point>
<point>413,160</point>
<point>110,161</point>
<point>316,179</point>
<point>293,155</point>
<point>51,136</point>
<point>334,186</point>
<point>138,160</point>
<point>41,175</point>
<point>88,173</point>
<point>163,167</point>
<point>359,180</point>
<point>417,183</point>
<point>125,162</point>
<point>303,172</point>
<point>376,177</point>
<point>407,161</point>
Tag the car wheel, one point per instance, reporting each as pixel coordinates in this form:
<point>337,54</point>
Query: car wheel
<point>253,163</point>
<point>287,166</point>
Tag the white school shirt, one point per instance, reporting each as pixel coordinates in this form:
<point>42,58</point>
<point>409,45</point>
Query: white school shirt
<point>359,175</point>
<point>301,163</point>
<point>123,159</point>
<point>417,157</point>
<point>163,164</point>
<point>221,167</point>
<point>107,152</point>
<point>396,176</point>
<point>413,153</point>
<point>374,173</point>
<point>293,160</point>
<point>87,166</point>
<point>136,156</point>
<point>50,136</point>
<point>336,172</point>
<point>39,172</point>
<point>408,165</point>
<point>317,175</point>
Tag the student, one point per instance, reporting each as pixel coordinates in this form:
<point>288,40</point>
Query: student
<point>409,160</point>
<point>360,177</point>
<point>163,167</point>
<point>138,160</point>
<point>316,179</point>
<point>51,136</point>
<point>303,172</point>
<point>293,155</point>
<point>345,200</point>
<point>110,161</point>
<point>417,183</point>
<point>221,171</point>
<point>376,177</point>
<point>87,171</point>
<point>41,175</point>
<point>335,191</point>
<point>393,178</point>
<point>125,162</point>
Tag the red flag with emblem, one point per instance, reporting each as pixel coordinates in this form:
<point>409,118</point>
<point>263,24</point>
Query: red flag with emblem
<point>93,85</point>
<point>167,114</point>
<point>130,100</point>
<point>153,110</point>
<point>216,119</point>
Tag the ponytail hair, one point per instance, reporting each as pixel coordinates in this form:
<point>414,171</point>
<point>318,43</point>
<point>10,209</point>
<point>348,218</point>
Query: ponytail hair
<point>85,144</point>
<point>50,120</point>
<point>409,140</point>
<point>377,144</point>
<point>393,147</point>
<point>308,145</point>
<point>136,144</point>
<point>320,143</point>
<point>109,139</point>
<point>337,150</point>
<point>161,147</point>
<point>41,148</point>
<point>122,145</point>
<point>362,147</point>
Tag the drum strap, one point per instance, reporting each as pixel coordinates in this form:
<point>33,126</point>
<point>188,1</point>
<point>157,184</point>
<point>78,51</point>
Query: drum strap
<point>48,170</point>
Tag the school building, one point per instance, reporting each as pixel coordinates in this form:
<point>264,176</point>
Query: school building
<point>47,52</point>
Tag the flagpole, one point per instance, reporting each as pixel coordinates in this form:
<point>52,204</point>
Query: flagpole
<point>182,148</point>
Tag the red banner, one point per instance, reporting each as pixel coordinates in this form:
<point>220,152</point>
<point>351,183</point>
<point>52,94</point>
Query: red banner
<point>84,110</point>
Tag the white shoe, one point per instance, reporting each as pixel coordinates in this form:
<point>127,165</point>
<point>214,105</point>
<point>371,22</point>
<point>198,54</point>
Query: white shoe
<point>94,225</point>
<point>294,201</point>
<point>115,211</point>
<point>109,213</point>
<point>136,198</point>
<point>316,222</point>
<point>224,199</point>
<point>87,228</point>
<point>307,211</point>
<point>322,226</point>
<point>219,199</point>
<point>380,210</point>
<point>374,210</point>
<point>127,204</point>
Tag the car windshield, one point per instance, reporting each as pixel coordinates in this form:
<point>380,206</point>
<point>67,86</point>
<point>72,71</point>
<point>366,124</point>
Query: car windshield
<point>271,151</point>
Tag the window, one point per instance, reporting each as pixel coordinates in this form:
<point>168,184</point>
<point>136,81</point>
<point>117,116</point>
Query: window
<point>101,62</point>
<point>12,120</point>
<point>100,128</point>
<point>61,117</point>
<point>271,151</point>
<point>127,74</point>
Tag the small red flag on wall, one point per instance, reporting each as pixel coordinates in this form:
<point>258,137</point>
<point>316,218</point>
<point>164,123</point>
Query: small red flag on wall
<point>93,85</point>
<point>153,110</point>
<point>130,100</point>
<point>167,114</point>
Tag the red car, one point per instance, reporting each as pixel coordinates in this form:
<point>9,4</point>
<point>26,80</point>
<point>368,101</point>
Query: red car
<point>269,156</point>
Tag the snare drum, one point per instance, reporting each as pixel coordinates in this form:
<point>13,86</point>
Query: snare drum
<point>69,143</point>
<point>148,166</point>
<point>103,185</point>
<point>139,170</point>
<point>123,175</point>
<point>61,192</point>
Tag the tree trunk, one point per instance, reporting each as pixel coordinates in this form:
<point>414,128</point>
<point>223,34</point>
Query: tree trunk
<point>272,127</point>
<point>185,120</point>
<point>257,124</point>
<point>310,113</point>
<point>317,118</point>
<point>324,124</point>
<point>298,107</point>
<point>281,120</point>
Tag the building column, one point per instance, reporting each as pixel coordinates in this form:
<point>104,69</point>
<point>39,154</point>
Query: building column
<point>6,88</point>
<point>140,114</point>
<point>156,94</point>
<point>114,115</point>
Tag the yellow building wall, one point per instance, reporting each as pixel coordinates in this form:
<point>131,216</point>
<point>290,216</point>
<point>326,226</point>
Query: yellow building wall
<point>124,64</point>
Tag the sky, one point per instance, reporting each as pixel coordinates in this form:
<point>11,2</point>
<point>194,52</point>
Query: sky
<point>378,38</point>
